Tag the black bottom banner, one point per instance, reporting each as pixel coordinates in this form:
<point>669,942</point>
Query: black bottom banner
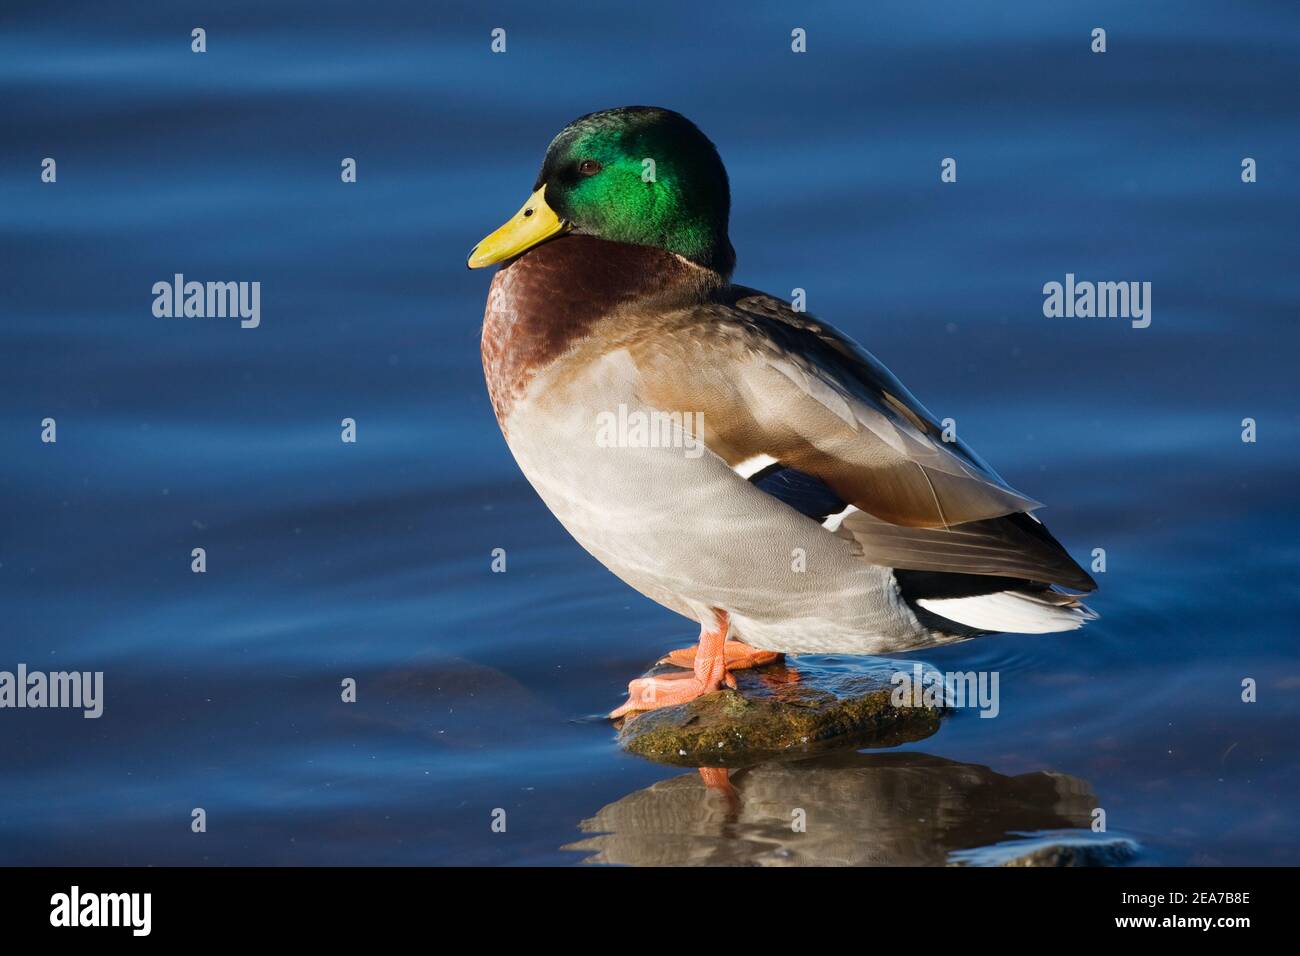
<point>337,905</point>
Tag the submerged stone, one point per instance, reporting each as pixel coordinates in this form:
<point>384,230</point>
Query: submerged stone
<point>784,709</point>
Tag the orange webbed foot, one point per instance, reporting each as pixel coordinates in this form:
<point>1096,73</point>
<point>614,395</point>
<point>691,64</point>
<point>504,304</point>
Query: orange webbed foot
<point>739,656</point>
<point>651,693</point>
<point>708,673</point>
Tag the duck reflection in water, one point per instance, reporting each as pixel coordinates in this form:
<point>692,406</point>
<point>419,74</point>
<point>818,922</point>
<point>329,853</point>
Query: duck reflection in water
<point>848,809</point>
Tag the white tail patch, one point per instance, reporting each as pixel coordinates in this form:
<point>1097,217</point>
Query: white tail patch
<point>833,522</point>
<point>751,466</point>
<point>1016,612</point>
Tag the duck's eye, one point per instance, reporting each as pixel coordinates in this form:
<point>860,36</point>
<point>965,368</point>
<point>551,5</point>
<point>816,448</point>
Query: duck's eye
<point>589,167</point>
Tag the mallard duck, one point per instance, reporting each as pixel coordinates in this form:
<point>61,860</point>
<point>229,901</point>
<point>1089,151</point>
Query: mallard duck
<point>725,454</point>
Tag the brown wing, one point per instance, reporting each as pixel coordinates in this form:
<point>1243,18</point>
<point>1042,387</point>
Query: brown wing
<point>775,383</point>
<point>771,381</point>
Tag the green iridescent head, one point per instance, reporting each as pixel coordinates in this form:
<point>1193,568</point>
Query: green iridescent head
<point>639,175</point>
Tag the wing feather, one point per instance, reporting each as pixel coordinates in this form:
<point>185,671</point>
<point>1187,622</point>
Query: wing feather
<point>800,392</point>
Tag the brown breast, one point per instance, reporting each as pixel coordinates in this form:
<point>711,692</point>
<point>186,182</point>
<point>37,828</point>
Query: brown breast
<point>546,302</point>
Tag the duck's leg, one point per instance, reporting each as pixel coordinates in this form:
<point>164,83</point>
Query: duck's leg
<point>718,779</point>
<point>708,672</point>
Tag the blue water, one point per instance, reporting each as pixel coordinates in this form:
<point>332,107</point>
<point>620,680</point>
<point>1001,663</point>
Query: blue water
<point>476,691</point>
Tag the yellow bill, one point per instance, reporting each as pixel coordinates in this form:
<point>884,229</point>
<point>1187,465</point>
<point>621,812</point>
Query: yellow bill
<point>532,224</point>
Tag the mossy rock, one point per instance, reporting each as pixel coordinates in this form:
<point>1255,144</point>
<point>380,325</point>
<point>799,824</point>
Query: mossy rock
<point>807,706</point>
